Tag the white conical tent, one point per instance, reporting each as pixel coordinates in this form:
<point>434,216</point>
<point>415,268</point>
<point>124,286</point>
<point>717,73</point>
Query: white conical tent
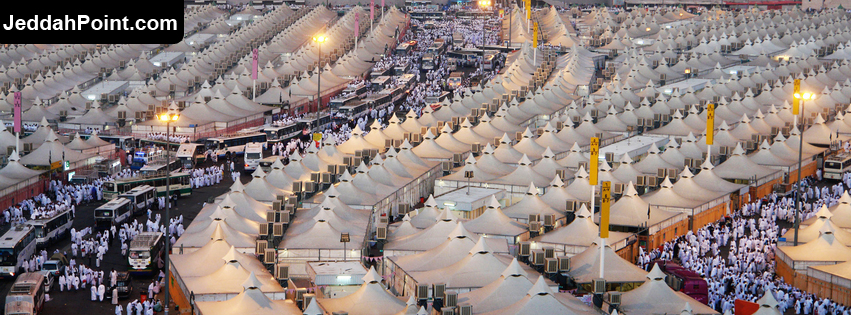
<point>250,301</point>
<point>656,297</point>
<point>370,298</point>
<point>540,299</point>
<point>586,266</point>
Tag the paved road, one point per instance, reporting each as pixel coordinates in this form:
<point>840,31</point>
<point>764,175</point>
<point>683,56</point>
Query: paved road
<point>78,302</point>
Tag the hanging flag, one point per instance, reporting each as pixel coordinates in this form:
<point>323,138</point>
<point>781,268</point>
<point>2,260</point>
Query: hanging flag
<point>595,155</point>
<point>254,56</point>
<point>535,38</point>
<point>797,104</point>
<point>605,199</point>
<point>17,112</point>
<point>382,4</point>
<point>528,10</point>
<point>710,123</point>
<point>371,10</point>
<point>357,25</point>
<point>535,35</point>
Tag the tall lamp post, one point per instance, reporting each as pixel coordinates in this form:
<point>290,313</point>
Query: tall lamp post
<point>799,100</point>
<point>172,115</point>
<point>319,39</point>
<point>484,5</point>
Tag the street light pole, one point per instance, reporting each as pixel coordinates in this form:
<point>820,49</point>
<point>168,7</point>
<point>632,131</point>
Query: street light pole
<point>800,98</point>
<point>168,117</point>
<point>319,40</point>
<point>483,4</point>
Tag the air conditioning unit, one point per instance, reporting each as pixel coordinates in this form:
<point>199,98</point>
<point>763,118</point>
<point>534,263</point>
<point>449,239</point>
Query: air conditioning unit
<point>723,150</point>
<point>299,295</point>
<point>618,188</point>
<point>563,264</point>
<point>672,173</point>
<point>381,233</point>
<point>570,206</point>
<point>285,216</point>
<point>615,298</point>
<point>438,291</point>
<point>278,229</point>
<point>28,147</point>
<point>610,156</point>
<point>264,229</point>
<point>276,206</point>
<point>465,309</point>
<point>534,217</point>
<point>260,247</point>
<point>269,256</point>
<point>447,311</point>
<point>549,252</point>
<point>551,265</point>
<point>598,286</point>
<point>422,291</point>
<point>534,226</point>
<point>549,220</point>
<point>640,180</point>
<point>538,257</point>
<point>450,299</point>
<point>525,249</point>
<point>309,187</point>
<point>282,272</point>
<point>652,181</point>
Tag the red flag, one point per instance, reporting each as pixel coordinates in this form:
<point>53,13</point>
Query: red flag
<point>745,308</point>
<point>372,10</point>
<point>382,4</point>
<point>254,56</point>
<point>17,112</point>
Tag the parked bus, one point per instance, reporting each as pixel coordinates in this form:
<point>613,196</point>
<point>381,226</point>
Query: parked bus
<point>125,143</point>
<point>159,169</point>
<point>275,134</point>
<point>458,40</point>
<point>454,81</point>
<point>190,154</point>
<point>402,68</point>
<point>16,246</point>
<point>114,212</point>
<point>437,47</point>
<point>50,229</point>
<point>26,295</point>
<point>684,280</point>
<point>141,198</point>
<point>233,145</point>
<point>159,143</point>
<point>144,156</point>
<point>837,164</point>
<point>403,49</point>
<point>310,122</point>
<point>429,61</point>
<point>344,101</point>
<point>253,155</point>
<point>354,111</point>
<point>179,185</point>
<point>145,252</point>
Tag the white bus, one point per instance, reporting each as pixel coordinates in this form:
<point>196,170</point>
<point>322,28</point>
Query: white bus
<point>114,212</point>
<point>837,164</point>
<point>145,249</point>
<point>17,245</point>
<point>190,154</point>
<point>141,197</point>
<point>253,155</point>
<point>232,145</point>
<point>48,230</point>
<point>26,295</point>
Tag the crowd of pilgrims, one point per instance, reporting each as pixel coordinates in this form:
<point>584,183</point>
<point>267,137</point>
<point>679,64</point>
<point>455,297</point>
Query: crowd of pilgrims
<point>161,136</point>
<point>751,236</point>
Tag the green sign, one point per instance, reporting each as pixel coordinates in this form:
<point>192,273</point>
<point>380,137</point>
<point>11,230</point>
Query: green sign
<point>67,165</point>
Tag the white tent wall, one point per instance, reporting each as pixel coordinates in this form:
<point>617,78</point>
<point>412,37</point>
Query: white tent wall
<point>297,259</point>
<point>515,193</point>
